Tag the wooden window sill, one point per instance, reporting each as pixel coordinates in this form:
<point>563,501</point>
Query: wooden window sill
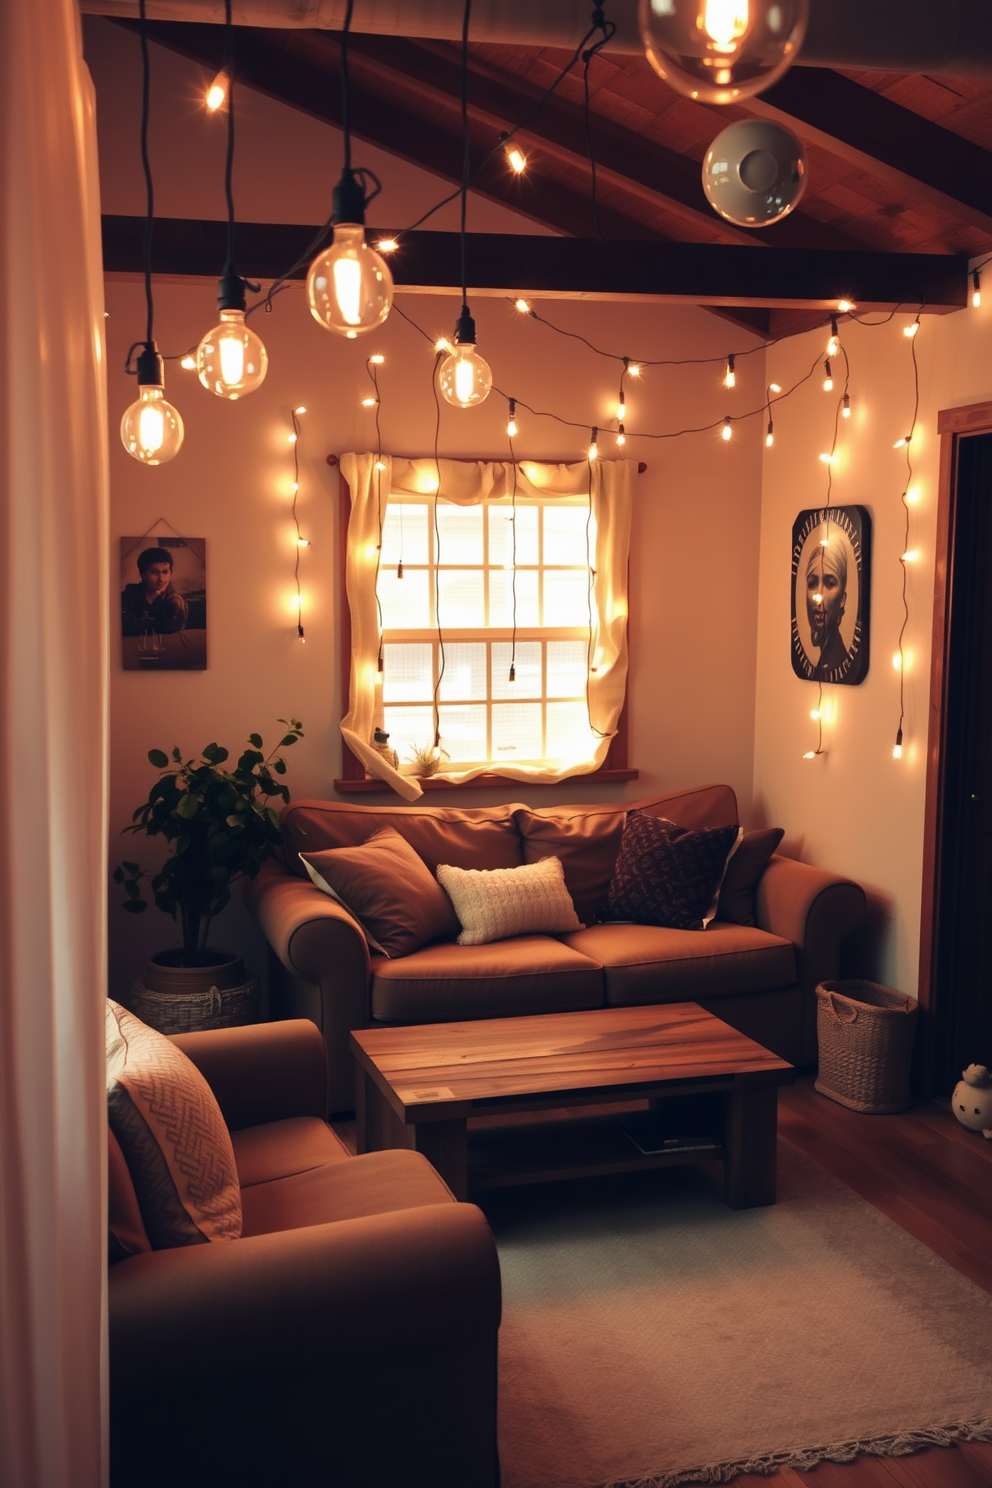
<point>369,784</point>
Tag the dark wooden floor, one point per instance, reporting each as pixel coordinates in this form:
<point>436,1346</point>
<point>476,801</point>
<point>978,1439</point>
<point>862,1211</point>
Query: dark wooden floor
<point>933,1178</point>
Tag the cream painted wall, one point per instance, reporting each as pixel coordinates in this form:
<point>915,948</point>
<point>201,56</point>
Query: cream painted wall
<point>695,537</point>
<point>855,809</point>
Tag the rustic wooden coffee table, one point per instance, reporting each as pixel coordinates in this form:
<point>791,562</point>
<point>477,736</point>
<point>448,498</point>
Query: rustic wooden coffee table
<point>418,1087</point>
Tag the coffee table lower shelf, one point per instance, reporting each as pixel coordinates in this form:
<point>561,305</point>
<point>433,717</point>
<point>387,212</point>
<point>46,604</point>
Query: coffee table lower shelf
<point>545,1152</point>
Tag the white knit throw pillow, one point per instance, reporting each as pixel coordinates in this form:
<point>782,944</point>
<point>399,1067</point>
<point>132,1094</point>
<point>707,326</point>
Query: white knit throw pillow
<point>494,903</point>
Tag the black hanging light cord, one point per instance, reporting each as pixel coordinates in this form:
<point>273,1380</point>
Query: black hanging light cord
<point>148,365</point>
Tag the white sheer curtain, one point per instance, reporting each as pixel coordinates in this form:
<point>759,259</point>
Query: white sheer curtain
<point>53,709</point>
<point>468,482</point>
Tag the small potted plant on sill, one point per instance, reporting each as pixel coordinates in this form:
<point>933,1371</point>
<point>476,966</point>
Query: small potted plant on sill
<point>221,827</point>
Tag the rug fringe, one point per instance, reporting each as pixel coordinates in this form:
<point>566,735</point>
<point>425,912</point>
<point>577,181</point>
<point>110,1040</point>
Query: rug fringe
<point>899,1445</point>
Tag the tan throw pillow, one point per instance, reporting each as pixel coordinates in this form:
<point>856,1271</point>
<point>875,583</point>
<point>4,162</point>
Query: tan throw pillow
<point>389,890</point>
<point>172,1134</point>
<point>495,903</point>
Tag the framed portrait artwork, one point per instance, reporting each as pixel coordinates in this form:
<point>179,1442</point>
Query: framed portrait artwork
<point>163,604</point>
<point>831,581</point>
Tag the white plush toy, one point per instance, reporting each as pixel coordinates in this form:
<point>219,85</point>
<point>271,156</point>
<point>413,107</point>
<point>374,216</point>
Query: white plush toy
<point>972,1099</point>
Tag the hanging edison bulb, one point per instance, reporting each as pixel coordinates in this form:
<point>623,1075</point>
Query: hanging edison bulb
<point>349,286</point>
<point>464,376</point>
<point>231,360</point>
<point>151,429</point>
<point>721,51</point>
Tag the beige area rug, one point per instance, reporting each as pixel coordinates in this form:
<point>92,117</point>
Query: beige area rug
<point>653,1337</point>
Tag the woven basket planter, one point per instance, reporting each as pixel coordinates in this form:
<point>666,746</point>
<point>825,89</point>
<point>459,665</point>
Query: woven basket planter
<point>189,1012</point>
<point>865,1033</point>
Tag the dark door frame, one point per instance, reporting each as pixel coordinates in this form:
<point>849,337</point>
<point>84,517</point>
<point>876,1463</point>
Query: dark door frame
<point>953,425</point>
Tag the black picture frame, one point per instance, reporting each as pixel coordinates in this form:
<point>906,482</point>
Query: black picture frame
<point>831,594</point>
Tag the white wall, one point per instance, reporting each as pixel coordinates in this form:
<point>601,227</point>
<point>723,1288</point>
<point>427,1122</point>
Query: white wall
<point>695,537</point>
<point>856,809</point>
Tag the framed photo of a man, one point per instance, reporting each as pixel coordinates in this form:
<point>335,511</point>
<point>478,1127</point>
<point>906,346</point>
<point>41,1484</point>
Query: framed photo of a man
<point>163,604</point>
<point>831,579</point>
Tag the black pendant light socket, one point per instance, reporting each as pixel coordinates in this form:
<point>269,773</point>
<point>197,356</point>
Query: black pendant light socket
<point>465,329</point>
<point>231,290</point>
<point>151,367</point>
<point>348,200</point>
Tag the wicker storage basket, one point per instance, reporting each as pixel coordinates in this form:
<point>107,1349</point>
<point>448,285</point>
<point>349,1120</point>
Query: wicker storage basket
<point>188,1012</point>
<point>865,1033</point>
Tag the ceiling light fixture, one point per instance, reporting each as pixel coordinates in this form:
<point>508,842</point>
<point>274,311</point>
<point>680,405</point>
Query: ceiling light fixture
<point>151,429</point>
<point>231,359</point>
<point>754,172</point>
<point>349,286</point>
<point>464,377</point>
<point>722,51</point>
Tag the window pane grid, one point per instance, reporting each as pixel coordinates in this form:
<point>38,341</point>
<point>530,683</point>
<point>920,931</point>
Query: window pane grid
<point>543,714</point>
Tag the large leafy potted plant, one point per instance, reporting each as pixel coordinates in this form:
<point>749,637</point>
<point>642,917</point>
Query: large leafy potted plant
<point>221,827</point>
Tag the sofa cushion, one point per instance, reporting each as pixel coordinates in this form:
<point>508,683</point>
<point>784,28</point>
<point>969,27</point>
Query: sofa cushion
<point>126,1234</point>
<point>495,903</point>
<point>388,889</point>
<point>172,1134</point>
<point>280,1148</point>
<point>668,875</point>
<point>479,837</point>
<point>743,875</point>
<point>587,838</point>
<point>649,963</point>
<point>444,982</point>
<point>375,1183</point>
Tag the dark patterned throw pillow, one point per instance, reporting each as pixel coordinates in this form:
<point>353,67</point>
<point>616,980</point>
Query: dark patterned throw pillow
<point>667,875</point>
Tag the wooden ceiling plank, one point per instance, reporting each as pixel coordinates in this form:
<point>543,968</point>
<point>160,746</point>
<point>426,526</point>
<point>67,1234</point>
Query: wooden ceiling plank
<point>508,264</point>
<point>921,160</point>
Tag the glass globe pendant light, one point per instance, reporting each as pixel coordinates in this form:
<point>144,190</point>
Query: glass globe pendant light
<point>151,429</point>
<point>721,51</point>
<point>464,377</point>
<point>349,286</point>
<point>231,360</point>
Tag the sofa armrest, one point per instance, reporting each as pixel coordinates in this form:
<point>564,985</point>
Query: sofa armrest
<point>814,909</point>
<point>302,1300</point>
<point>320,966</point>
<point>263,1072</point>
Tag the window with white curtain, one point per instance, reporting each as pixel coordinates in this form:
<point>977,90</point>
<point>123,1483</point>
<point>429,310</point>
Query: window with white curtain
<point>487,604</point>
<point>490,624</point>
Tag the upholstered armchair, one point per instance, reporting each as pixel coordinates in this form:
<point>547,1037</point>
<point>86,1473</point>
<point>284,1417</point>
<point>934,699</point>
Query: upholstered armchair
<point>346,1337</point>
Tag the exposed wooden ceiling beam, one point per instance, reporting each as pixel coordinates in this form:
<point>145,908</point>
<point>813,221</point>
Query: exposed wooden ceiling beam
<point>918,158</point>
<point>572,268</point>
<point>300,68</point>
<point>289,67</point>
<point>647,170</point>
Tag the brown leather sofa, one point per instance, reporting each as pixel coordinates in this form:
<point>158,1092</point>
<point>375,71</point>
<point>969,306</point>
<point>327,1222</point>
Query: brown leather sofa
<point>349,1336</point>
<point>760,978</point>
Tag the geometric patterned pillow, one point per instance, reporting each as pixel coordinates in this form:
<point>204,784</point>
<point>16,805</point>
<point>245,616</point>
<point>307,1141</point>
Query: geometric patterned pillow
<point>667,875</point>
<point>170,1129</point>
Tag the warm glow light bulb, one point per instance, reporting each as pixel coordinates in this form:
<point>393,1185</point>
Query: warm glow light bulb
<point>464,377</point>
<point>770,436</point>
<point>976,289</point>
<point>349,286</point>
<point>726,432</point>
<point>897,751</point>
<point>810,754</point>
<point>621,411</point>
<point>217,92</point>
<point>516,159</point>
<point>845,306</point>
<point>621,436</point>
<point>773,387</point>
<point>522,306</point>
<point>730,376</point>
<point>828,380</point>
<point>387,245</point>
<point>720,51</point>
<point>911,330</point>
<point>231,360</point>
<point>151,429</point>
<point>188,363</point>
<point>833,341</point>
<point>634,371</point>
<point>846,409</point>
<point>593,451</point>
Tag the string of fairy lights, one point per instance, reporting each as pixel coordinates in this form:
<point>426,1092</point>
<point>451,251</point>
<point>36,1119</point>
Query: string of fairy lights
<point>350,292</point>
